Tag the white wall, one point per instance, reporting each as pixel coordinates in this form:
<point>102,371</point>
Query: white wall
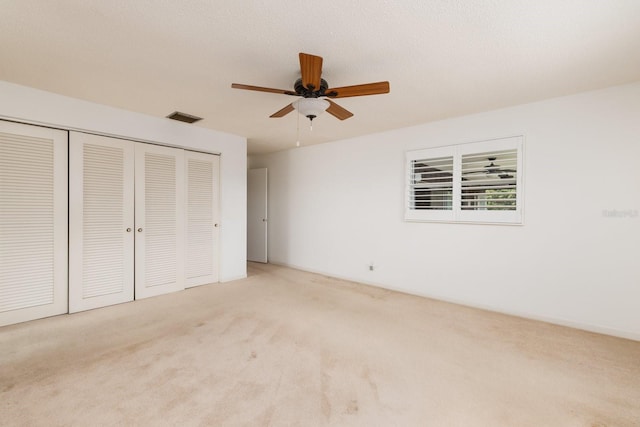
<point>334,208</point>
<point>29,105</point>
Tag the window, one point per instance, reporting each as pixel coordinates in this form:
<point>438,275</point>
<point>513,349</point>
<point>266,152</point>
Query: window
<point>476,182</point>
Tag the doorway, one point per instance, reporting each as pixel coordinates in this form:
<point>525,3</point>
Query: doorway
<point>257,220</point>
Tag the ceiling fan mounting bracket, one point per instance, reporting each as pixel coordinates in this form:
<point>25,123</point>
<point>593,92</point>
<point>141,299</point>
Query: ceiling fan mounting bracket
<point>310,92</point>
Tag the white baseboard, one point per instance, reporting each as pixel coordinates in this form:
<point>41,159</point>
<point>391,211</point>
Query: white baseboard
<point>231,279</point>
<point>630,335</point>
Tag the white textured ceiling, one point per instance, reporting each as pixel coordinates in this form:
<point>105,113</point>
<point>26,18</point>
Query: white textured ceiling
<point>443,58</point>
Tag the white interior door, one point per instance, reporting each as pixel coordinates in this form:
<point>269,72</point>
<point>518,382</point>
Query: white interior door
<point>257,215</point>
<point>101,221</point>
<point>33,222</point>
<point>202,223</point>
<point>159,212</point>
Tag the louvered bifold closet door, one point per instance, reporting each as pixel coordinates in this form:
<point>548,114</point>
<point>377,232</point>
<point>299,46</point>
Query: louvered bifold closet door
<point>159,204</point>
<point>202,230</point>
<point>33,222</point>
<point>101,221</point>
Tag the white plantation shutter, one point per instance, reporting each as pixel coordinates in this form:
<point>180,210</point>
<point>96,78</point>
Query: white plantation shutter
<point>489,181</point>
<point>476,182</point>
<point>159,205</point>
<point>201,218</point>
<point>33,222</point>
<point>430,185</point>
<point>101,212</point>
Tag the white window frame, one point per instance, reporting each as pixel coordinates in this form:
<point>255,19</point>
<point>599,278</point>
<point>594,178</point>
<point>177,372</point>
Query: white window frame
<point>456,214</point>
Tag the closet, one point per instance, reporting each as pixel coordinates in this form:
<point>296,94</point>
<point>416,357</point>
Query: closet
<point>141,220</point>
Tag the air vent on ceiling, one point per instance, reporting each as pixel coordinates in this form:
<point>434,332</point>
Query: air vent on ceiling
<point>183,117</point>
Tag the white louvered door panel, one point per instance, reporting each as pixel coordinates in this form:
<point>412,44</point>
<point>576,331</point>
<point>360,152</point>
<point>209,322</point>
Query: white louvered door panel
<point>202,226</point>
<point>102,220</point>
<point>33,222</point>
<point>159,204</point>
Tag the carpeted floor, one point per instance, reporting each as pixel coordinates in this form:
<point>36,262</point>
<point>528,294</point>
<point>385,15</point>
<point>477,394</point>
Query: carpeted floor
<point>289,348</point>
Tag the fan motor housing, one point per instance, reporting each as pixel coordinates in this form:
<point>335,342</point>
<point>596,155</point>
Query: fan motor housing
<point>306,93</point>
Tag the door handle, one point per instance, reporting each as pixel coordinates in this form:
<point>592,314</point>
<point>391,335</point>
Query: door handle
<point>264,219</point>
<point>128,229</point>
<point>215,225</point>
<point>140,230</point>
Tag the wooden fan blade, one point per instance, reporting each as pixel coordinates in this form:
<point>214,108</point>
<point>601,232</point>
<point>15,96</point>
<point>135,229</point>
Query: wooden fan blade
<point>286,110</point>
<point>262,89</point>
<point>311,70</point>
<point>337,111</point>
<point>358,90</point>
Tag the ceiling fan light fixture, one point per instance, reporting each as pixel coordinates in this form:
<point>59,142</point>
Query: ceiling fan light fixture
<point>311,107</point>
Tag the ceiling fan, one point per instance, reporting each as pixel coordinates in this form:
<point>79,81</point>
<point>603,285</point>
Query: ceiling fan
<point>311,87</point>
<point>492,168</point>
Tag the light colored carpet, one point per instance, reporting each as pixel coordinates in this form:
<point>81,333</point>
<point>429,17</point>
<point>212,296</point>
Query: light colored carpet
<point>289,348</point>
